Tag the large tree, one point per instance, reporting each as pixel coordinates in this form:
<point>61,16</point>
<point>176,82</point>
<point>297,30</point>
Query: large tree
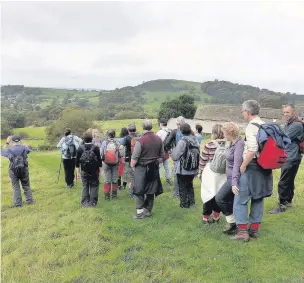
<point>77,120</point>
<point>181,106</point>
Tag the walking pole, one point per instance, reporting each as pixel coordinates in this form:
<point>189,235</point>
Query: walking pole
<point>59,170</point>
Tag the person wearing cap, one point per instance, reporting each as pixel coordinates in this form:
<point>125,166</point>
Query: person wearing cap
<point>14,149</point>
<point>171,142</point>
<point>127,143</point>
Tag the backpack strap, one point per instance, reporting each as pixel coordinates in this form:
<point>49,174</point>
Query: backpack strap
<point>257,125</point>
<point>11,152</point>
<point>14,155</point>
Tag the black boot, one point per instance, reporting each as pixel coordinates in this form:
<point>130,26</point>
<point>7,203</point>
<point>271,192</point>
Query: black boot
<point>107,196</point>
<point>278,209</point>
<point>230,229</point>
<point>114,194</point>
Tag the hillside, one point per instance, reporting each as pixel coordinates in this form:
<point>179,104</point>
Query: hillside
<point>39,106</point>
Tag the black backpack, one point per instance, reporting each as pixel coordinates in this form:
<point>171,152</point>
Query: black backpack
<point>88,160</point>
<point>166,139</point>
<point>191,157</point>
<point>17,162</point>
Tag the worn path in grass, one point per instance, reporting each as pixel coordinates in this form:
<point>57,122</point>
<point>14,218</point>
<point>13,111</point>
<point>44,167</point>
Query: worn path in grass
<point>57,241</point>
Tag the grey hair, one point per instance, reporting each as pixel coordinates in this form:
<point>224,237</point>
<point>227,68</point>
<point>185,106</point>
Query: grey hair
<point>291,106</point>
<point>147,125</point>
<point>252,107</point>
<point>180,120</point>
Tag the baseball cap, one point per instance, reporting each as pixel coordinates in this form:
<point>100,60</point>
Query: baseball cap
<point>16,138</point>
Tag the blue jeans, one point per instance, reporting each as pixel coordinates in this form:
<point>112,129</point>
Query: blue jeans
<point>167,169</point>
<point>240,206</point>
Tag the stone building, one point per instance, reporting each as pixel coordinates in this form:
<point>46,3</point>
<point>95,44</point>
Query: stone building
<point>208,115</point>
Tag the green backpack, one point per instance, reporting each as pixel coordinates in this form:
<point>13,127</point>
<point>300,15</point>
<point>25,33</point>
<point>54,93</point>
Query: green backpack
<point>218,163</point>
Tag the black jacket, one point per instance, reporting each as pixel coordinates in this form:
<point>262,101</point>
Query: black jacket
<point>80,151</point>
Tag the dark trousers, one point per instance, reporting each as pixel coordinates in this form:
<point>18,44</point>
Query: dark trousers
<point>24,179</point>
<point>69,171</point>
<point>210,206</point>
<point>144,201</point>
<point>90,187</point>
<point>286,184</point>
<point>225,197</point>
<point>186,190</point>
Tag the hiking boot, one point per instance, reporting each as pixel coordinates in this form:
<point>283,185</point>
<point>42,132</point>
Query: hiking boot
<point>114,194</point>
<point>207,221</point>
<point>147,212</point>
<point>253,233</point>
<point>85,204</point>
<point>278,209</point>
<point>140,216</point>
<point>121,188</point>
<point>242,235</point>
<point>30,202</point>
<point>230,229</point>
<point>107,196</point>
<point>288,204</point>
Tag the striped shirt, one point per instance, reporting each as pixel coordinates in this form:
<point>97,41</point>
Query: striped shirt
<point>207,154</point>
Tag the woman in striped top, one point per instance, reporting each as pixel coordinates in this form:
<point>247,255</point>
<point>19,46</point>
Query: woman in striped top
<point>211,182</point>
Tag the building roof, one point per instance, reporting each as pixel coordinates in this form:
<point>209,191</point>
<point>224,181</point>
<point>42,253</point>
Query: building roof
<point>232,113</point>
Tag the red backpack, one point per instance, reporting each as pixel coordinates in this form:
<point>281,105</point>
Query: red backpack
<point>111,155</point>
<point>302,141</point>
<point>271,155</point>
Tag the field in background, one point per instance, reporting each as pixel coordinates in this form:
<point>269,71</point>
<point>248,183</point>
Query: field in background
<point>56,240</point>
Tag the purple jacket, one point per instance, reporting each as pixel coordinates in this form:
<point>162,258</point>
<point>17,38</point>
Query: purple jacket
<point>234,156</point>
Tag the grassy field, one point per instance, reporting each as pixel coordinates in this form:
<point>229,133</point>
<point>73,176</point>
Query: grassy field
<point>56,240</point>
<point>118,124</point>
<point>32,132</point>
<point>39,132</point>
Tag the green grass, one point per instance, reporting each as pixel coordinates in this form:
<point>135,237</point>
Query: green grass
<point>56,240</point>
<point>118,124</point>
<point>32,143</point>
<point>39,132</point>
<point>32,132</point>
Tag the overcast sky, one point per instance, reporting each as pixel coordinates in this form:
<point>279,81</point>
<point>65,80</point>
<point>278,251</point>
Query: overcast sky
<point>106,45</point>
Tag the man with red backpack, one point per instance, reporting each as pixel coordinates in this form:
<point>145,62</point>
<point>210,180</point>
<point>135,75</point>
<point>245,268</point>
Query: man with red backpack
<point>110,156</point>
<point>294,128</point>
<point>255,182</point>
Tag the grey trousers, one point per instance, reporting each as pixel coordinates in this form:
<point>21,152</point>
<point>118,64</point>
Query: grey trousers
<point>145,201</point>
<point>175,186</point>
<point>24,179</point>
<point>110,173</point>
<point>90,187</point>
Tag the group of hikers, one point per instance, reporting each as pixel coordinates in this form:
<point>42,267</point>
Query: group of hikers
<point>235,173</point>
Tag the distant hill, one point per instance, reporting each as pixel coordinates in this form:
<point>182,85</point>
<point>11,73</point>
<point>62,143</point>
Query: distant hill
<point>150,94</point>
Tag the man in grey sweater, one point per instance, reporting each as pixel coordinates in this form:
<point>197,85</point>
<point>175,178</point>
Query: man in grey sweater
<point>295,131</point>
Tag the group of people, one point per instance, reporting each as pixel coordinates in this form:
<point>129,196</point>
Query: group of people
<point>228,167</point>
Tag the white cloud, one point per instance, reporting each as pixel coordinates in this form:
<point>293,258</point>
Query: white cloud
<point>108,45</point>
